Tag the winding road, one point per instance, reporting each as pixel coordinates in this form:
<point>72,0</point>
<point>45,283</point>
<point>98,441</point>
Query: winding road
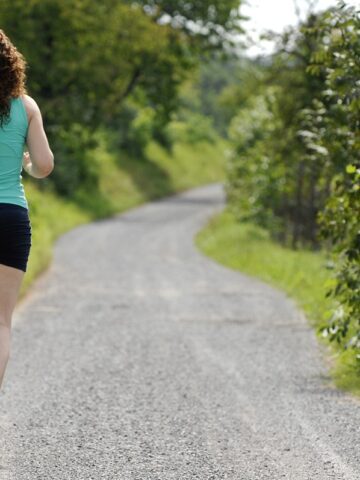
<point>135,357</point>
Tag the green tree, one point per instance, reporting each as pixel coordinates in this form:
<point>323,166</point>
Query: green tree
<point>295,166</point>
<point>208,25</point>
<point>338,57</point>
<point>87,57</point>
<point>283,175</point>
<point>85,60</point>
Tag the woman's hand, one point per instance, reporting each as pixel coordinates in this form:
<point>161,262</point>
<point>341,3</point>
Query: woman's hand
<point>26,161</point>
<point>41,161</point>
<point>30,167</point>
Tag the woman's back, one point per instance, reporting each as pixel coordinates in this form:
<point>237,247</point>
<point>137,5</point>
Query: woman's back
<point>20,123</point>
<point>12,139</point>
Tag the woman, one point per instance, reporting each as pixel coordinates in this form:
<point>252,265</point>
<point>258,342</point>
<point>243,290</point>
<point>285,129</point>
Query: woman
<point>20,123</point>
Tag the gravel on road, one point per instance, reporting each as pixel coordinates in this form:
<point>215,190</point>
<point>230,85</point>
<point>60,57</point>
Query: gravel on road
<point>135,357</point>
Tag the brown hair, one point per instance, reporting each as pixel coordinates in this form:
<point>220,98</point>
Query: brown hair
<point>12,75</point>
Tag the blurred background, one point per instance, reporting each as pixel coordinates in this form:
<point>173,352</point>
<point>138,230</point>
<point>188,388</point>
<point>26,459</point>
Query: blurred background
<point>144,98</point>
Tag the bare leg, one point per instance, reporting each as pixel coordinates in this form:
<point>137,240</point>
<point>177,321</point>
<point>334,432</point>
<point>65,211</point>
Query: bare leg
<point>10,282</point>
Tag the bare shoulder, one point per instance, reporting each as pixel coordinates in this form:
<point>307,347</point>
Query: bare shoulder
<point>31,107</point>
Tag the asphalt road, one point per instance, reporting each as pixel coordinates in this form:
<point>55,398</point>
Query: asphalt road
<point>136,357</point>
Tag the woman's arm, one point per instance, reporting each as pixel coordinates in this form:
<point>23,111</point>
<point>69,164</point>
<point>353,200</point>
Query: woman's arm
<point>39,161</point>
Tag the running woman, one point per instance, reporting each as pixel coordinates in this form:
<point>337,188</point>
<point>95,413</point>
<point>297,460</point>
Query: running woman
<point>20,124</point>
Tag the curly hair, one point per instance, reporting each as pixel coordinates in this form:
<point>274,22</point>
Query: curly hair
<point>12,75</point>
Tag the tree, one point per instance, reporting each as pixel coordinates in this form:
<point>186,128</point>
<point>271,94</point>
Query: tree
<point>338,56</point>
<point>85,60</point>
<point>208,25</point>
<point>82,71</point>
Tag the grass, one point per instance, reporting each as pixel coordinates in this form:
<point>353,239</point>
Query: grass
<point>302,274</point>
<point>50,217</point>
<point>124,183</point>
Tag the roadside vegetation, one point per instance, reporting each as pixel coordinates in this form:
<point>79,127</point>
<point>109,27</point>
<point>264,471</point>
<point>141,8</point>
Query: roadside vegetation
<point>293,178</point>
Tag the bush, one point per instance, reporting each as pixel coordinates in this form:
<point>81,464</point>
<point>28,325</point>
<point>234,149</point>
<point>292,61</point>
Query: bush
<point>75,164</point>
<point>338,56</point>
<point>341,225</point>
<point>295,164</point>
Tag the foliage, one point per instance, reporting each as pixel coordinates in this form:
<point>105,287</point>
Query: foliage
<point>338,56</point>
<point>341,225</point>
<point>254,176</point>
<point>81,71</point>
<point>113,64</point>
<point>75,164</point>
<point>208,24</point>
<point>134,128</point>
<point>294,166</point>
<point>274,178</point>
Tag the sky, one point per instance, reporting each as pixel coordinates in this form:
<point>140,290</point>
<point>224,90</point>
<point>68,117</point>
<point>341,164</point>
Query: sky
<point>276,15</point>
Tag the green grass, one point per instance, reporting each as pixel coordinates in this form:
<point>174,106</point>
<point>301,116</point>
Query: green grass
<point>302,274</point>
<point>50,217</point>
<point>124,183</point>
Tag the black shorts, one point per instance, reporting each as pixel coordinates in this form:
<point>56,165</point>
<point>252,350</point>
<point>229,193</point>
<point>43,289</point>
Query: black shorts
<point>15,235</point>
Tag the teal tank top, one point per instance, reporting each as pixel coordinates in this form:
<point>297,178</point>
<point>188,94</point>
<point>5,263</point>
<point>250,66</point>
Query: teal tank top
<point>12,139</point>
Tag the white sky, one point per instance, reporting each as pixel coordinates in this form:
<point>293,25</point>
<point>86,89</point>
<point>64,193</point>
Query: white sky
<point>275,15</point>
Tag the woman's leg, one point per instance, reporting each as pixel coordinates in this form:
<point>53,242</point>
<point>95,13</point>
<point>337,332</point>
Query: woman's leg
<point>10,281</point>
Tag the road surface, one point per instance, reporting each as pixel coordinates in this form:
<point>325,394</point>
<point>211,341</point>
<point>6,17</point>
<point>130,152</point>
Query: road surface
<point>135,357</point>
